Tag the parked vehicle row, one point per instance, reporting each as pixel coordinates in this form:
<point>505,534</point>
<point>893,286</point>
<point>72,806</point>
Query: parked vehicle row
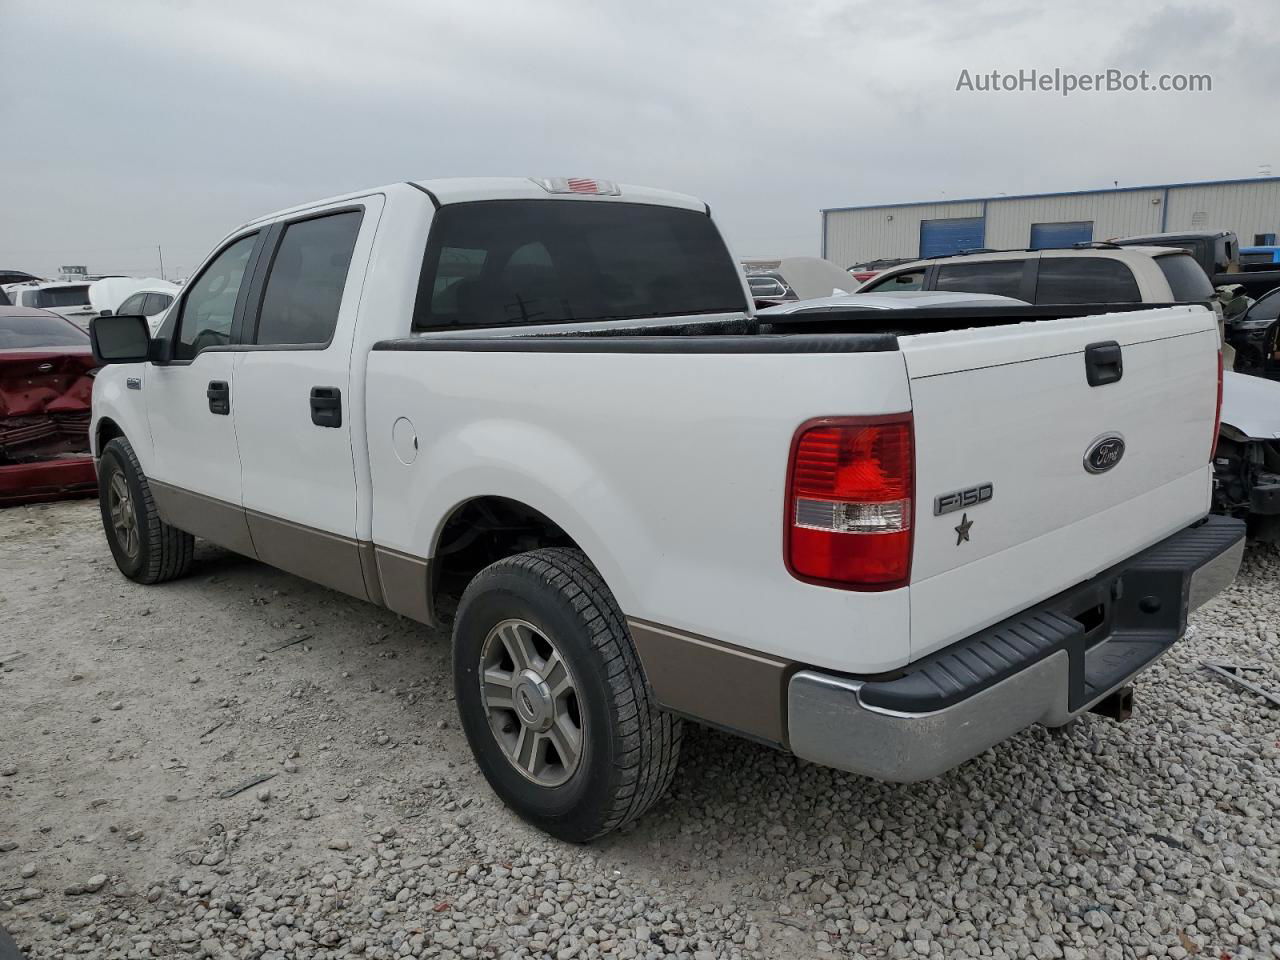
<point>78,301</point>
<point>1220,256</point>
<point>990,518</point>
<point>1247,484</point>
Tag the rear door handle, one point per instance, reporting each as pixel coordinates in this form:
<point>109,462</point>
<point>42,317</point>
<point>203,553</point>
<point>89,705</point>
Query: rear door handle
<point>1103,363</point>
<point>219,395</point>
<point>326,406</point>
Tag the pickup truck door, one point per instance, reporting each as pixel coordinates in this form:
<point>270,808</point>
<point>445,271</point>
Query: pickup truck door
<point>297,421</point>
<point>190,396</point>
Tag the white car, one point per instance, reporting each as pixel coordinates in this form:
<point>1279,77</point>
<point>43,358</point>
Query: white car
<point>70,300</point>
<point>881,551</point>
<point>147,296</point>
<point>152,302</point>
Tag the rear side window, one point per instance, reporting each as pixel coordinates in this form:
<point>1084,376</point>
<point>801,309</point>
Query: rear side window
<point>308,273</point>
<point>155,303</point>
<point>37,331</point>
<point>898,282</point>
<point>1002,277</point>
<point>1086,280</point>
<point>504,262</point>
<point>766,285</point>
<point>1187,279</point>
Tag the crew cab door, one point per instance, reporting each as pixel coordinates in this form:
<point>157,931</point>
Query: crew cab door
<point>190,396</point>
<point>294,417</point>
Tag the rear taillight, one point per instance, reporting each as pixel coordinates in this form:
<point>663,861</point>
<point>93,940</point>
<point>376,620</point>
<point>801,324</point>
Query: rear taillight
<point>850,486</point>
<point>1217,414</point>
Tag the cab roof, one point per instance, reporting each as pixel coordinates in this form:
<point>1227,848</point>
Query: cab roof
<point>468,189</point>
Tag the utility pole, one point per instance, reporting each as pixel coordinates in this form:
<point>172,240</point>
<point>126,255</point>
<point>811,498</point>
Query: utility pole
<point>161,252</point>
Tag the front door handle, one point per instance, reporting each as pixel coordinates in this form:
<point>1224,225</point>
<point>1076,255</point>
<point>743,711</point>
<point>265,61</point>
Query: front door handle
<point>219,395</point>
<point>326,406</point>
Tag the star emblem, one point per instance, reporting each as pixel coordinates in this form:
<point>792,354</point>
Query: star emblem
<point>962,529</point>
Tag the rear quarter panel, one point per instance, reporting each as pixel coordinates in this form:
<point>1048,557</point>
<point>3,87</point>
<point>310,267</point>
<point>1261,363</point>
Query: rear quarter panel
<point>669,470</point>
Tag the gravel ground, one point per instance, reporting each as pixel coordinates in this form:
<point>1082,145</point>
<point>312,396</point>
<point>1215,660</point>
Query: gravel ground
<point>129,715</point>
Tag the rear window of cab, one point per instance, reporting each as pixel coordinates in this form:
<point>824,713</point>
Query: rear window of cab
<point>513,262</point>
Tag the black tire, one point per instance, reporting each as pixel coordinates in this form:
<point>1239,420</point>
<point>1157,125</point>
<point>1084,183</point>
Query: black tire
<point>159,552</point>
<point>630,747</point>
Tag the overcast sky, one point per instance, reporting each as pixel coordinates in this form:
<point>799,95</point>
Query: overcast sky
<point>132,124</point>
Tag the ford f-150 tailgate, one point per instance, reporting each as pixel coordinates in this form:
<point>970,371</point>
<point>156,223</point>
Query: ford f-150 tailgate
<point>1045,452</point>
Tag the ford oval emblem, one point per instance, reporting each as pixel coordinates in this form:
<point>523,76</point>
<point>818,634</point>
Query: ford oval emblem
<point>1104,453</point>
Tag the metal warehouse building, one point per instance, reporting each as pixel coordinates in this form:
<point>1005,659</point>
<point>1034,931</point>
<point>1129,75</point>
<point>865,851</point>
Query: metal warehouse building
<point>855,234</point>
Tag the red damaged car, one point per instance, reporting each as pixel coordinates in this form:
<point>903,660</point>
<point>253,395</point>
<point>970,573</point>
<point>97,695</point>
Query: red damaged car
<point>46,383</point>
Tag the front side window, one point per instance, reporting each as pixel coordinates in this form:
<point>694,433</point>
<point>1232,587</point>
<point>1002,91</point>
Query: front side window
<point>1187,279</point>
<point>133,306</point>
<point>308,274</point>
<point>210,304</point>
<point>1086,280</point>
<point>898,282</point>
<point>1001,277</point>
<point>1267,308</point>
<point>503,262</point>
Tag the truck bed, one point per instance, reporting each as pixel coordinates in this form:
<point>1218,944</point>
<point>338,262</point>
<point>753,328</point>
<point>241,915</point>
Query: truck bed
<point>671,476</point>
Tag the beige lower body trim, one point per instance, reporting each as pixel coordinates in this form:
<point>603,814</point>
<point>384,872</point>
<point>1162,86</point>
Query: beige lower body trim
<point>214,520</point>
<point>315,555</point>
<point>406,584</point>
<point>716,682</point>
<point>398,581</point>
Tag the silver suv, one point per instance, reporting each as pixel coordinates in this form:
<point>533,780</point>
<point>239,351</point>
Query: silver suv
<point>1096,274</point>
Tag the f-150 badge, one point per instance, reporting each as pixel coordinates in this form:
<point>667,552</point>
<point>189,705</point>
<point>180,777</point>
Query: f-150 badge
<point>958,499</point>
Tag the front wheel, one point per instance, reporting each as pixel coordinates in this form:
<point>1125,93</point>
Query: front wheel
<point>553,700</point>
<point>145,548</point>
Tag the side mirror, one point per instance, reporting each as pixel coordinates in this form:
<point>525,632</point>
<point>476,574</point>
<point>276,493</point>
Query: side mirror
<point>120,339</point>
<point>104,313</point>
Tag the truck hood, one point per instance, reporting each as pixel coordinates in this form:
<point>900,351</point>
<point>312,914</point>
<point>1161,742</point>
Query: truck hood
<point>1251,405</point>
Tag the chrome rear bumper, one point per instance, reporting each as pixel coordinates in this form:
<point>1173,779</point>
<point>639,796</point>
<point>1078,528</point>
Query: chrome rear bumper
<point>1042,666</point>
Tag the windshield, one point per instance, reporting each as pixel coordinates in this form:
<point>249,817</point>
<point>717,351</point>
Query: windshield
<point>62,297</point>
<point>503,262</point>
<point>22,332</point>
<point>1187,279</point>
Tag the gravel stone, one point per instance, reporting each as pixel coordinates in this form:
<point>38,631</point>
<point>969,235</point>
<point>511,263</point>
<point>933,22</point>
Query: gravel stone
<point>1159,837</point>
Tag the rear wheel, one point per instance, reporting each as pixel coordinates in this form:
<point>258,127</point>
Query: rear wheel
<point>553,700</point>
<point>145,548</point>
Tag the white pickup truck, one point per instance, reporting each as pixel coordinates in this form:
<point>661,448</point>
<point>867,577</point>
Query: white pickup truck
<point>881,540</point>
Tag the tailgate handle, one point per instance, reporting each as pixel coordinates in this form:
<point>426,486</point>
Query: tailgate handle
<point>1103,363</point>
